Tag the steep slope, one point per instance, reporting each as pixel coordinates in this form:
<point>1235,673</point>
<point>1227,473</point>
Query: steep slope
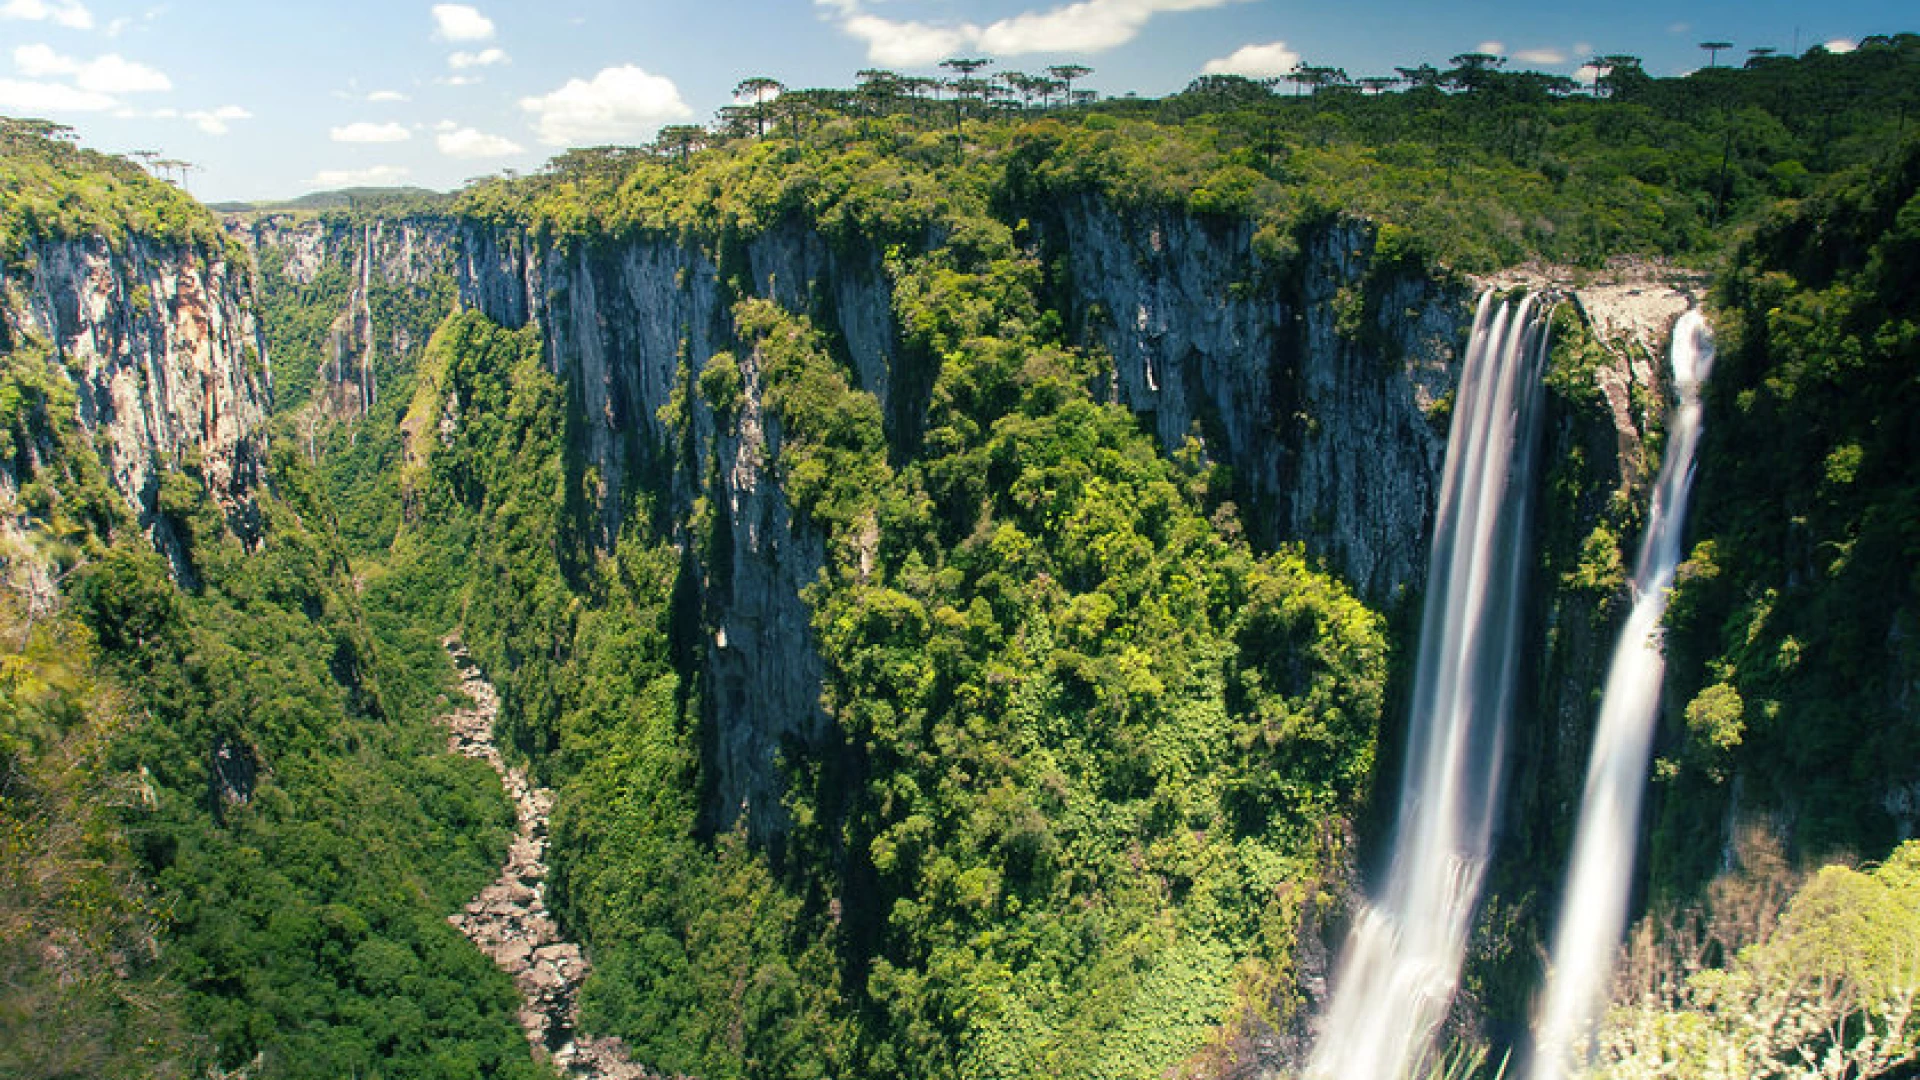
<point>234,835</point>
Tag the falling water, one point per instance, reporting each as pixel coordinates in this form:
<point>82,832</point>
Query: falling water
<point>1593,911</point>
<point>1402,959</point>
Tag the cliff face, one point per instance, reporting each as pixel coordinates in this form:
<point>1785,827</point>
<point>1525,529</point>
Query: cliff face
<point>626,326</point>
<point>168,366</point>
<point>1316,392</point>
<point>361,276</point>
<point>1323,419</point>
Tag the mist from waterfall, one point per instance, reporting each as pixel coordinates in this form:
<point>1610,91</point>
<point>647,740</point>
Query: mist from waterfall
<point>1593,908</point>
<point>1402,958</point>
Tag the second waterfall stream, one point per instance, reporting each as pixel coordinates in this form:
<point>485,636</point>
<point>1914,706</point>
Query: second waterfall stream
<point>1402,959</point>
<point>1593,908</point>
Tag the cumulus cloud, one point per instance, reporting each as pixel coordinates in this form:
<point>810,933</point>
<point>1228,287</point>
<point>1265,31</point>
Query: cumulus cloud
<point>109,74</point>
<point>1841,45</point>
<point>483,58</point>
<point>1491,48</point>
<point>372,176</point>
<point>1255,61</point>
<point>23,97</point>
<point>620,104</point>
<point>386,95</point>
<point>909,44</point>
<point>68,13</point>
<point>1540,56</point>
<point>466,142</point>
<point>1083,27</point>
<point>365,132</point>
<point>215,121</point>
<point>460,22</point>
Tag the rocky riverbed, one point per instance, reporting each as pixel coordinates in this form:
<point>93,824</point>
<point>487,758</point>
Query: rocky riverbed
<point>509,920</point>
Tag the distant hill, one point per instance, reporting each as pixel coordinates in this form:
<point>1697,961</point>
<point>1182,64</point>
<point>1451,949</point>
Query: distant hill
<point>354,198</point>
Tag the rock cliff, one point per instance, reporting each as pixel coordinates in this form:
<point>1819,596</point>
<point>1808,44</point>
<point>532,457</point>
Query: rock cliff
<point>1314,384</point>
<point>167,363</point>
<point>365,278</point>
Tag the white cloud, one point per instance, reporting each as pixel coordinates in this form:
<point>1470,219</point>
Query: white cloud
<point>620,104</point>
<point>372,176</point>
<point>468,143</point>
<point>215,121</point>
<point>480,59</point>
<point>386,95</point>
<point>1841,45</point>
<point>29,98</point>
<point>1088,26</point>
<point>1255,61</point>
<point>1679,28</point>
<point>109,74</point>
<point>364,132</point>
<point>68,13</point>
<point>1085,26</point>
<point>458,80</point>
<point>1491,48</point>
<point>459,22</point>
<point>1540,56</point>
<point>909,44</point>
<point>1586,74</point>
<point>116,27</point>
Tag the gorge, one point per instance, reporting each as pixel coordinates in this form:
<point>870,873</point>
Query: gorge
<point>961,588</point>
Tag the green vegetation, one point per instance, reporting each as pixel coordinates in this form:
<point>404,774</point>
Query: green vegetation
<point>1824,986</point>
<point>1090,755</point>
<point>228,836</point>
<point>1793,620</point>
<point>51,189</point>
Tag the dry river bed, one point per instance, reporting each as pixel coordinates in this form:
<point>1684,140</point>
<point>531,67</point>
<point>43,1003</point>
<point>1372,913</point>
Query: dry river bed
<point>509,920</point>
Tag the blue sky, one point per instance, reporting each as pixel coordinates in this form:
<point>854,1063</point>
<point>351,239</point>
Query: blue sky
<point>272,99</point>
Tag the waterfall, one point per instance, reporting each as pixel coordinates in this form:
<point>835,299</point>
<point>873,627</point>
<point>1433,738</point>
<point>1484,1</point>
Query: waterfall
<point>1402,959</point>
<point>1594,902</point>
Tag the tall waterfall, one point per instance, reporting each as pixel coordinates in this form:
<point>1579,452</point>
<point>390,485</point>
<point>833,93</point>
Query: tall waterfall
<point>1402,958</point>
<point>1594,905</point>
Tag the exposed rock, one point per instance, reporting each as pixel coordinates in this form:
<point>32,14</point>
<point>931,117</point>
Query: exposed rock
<point>399,253</point>
<point>509,920</point>
<point>621,323</point>
<point>168,365</point>
<point>1324,422</point>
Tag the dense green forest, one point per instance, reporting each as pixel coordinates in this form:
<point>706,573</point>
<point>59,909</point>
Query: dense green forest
<point>1094,762</point>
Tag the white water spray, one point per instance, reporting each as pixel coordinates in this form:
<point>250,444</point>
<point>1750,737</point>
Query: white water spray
<point>1594,909</point>
<point>1402,959</point>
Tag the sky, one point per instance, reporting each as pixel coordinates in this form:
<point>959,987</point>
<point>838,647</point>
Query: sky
<point>271,99</point>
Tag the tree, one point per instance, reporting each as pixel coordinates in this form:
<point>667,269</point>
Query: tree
<point>680,140</point>
<point>1618,75</point>
<point>1474,71</point>
<point>760,88</point>
<point>1066,73</point>
<point>878,89</point>
<point>1424,77</point>
<point>1713,50</point>
<point>964,84</point>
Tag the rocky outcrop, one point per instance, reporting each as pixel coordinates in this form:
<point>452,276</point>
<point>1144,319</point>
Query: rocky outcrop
<point>509,920</point>
<point>167,362</point>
